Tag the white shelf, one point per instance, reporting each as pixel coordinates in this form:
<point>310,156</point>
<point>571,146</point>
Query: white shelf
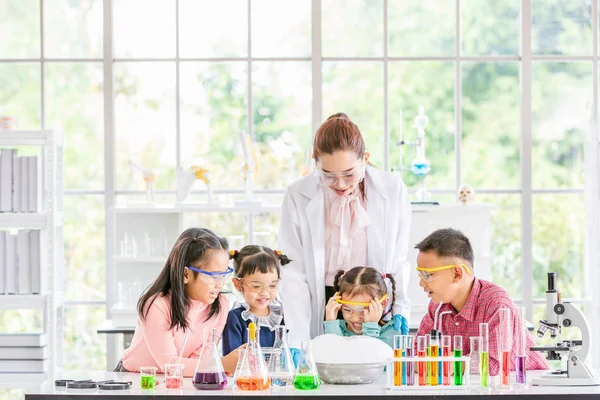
<point>182,208</point>
<point>23,220</point>
<point>23,301</point>
<point>24,138</point>
<point>139,260</point>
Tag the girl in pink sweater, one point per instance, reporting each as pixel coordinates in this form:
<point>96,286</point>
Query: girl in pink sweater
<point>186,297</point>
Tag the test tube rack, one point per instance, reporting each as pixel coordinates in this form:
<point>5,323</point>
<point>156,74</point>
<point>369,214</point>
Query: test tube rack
<point>466,368</point>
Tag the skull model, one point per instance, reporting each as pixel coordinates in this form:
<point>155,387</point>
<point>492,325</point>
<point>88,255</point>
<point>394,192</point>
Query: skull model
<point>466,194</point>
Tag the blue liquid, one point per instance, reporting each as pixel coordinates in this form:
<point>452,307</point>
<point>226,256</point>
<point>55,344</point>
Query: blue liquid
<point>420,168</point>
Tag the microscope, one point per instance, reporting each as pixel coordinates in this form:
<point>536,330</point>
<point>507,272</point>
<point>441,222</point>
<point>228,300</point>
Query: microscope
<point>563,314</point>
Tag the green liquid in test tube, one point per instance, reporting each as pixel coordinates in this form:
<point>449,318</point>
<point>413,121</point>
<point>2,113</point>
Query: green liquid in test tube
<point>484,358</point>
<point>458,365</point>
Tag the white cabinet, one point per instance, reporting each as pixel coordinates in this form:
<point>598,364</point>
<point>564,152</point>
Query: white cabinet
<point>47,217</point>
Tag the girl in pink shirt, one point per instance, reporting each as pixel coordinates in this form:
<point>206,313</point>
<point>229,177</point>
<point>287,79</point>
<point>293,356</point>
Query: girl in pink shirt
<point>185,298</point>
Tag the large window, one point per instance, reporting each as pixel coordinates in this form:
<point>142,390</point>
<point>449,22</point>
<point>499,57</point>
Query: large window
<point>508,115</point>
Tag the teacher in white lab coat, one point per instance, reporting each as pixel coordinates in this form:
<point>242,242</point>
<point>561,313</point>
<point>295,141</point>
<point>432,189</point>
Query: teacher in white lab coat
<point>345,214</point>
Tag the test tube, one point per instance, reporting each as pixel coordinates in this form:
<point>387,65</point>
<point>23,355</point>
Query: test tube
<point>520,342</point>
<point>428,351</point>
<point>434,349</point>
<point>458,365</point>
<point>475,348</point>
<point>409,351</point>
<point>398,348</point>
<point>484,356</point>
<point>446,345</point>
<point>422,367</point>
<point>505,345</point>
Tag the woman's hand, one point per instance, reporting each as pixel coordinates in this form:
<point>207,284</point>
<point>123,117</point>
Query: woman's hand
<point>230,360</point>
<point>332,308</point>
<point>374,312</point>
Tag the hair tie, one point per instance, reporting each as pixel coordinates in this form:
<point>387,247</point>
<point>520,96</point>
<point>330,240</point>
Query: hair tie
<point>384,275</point>
<point>233,252</point>
<point>277,252</point>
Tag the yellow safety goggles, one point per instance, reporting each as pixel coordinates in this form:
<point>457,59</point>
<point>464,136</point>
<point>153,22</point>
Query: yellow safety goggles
<point>426,276</point>
<point>358,303</point>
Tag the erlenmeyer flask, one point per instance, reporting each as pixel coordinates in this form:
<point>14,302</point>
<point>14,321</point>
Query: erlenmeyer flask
<point>281,365</point>
<point>253,374</point>
<point>209,370</point>
<point>307,376</point>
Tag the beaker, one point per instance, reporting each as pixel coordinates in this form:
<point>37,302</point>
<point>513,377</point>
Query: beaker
<point>280,363</point>
<point>174,376</point>
<point>307,376</point>
<point>209,374</point>
<point>148,377</point>
<point>253,373</point>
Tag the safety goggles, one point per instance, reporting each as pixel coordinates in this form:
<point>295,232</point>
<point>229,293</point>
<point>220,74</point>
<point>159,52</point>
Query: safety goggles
<point>426,273</point>
<point>257,287</point>
<point>213,278</point>
<point>349,178</point>
<point>356,307</point>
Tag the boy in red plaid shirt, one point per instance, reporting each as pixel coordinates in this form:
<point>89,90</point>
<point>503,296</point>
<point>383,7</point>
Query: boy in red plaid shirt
<point>445,266</point>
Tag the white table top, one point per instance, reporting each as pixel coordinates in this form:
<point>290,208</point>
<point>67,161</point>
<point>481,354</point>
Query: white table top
<point>47,390</point>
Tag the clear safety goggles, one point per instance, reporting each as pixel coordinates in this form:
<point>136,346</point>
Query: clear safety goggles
<point>213,278</point>
<point>427,275</point>
<point>257,287</point>
<point>356,307</point>
<point>349,178</point>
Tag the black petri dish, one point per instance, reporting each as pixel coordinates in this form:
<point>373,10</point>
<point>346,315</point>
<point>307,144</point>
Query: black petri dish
<point>115,386</point>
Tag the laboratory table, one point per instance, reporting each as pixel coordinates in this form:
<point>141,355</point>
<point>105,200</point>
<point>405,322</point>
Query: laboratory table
<point>47,390</point>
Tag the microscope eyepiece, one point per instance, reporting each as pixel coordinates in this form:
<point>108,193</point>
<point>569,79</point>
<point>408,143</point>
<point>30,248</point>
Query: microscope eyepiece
<point>551,282</point>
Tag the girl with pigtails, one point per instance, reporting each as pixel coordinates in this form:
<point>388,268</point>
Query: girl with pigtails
<point>256,276</point>
<point>362,296</point>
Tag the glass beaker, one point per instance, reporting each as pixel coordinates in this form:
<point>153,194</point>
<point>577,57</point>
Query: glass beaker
<point>209,374</point>
<point>280,363</point>
<point>128,246</point>
<point>253,373</point>
<point>148,377</point>
<point>174,376</point>
<point>307,376</point>
<point>475,348</point>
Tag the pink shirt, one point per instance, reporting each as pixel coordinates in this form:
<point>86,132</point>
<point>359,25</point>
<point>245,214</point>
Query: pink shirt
<point>346,221</point>
<point>483,304</point>
<point>154,344</point>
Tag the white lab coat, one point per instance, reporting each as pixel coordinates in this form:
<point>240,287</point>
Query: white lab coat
<point>302,239</point>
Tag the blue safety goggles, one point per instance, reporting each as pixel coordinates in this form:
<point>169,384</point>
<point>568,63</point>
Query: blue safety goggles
<point>214,278</point>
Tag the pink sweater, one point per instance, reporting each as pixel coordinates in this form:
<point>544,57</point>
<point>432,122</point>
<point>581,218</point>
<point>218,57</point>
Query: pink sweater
<point>154,344</point>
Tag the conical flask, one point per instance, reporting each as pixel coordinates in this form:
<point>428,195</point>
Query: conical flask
<point>281,365</point>
<point>252,373</point>
<point>307,376</point>
<point>209,373</point>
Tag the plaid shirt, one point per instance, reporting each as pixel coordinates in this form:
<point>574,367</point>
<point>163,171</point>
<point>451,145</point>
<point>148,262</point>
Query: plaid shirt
<point>483,304</point>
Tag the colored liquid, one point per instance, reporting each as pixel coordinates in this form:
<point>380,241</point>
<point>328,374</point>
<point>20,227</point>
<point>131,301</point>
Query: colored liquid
<point>148,382</point>
<point>209,381</point>
<point>280,382</point>
<point>428,350</point>
<point>484,368</point>
<point>458,369</point>
<point>253,383</point>
<point>521,370</point>
<point>174,383</point>
<point>505,368</point>
<point>398,368</point>
<point>410,368</point>
<point>307,382</point>
<point>434,366</point>
<point>422,369</point>
<point>446,366</point>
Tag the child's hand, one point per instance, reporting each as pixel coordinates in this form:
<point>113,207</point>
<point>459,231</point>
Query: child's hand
<point>374,312</point>
<point>230,360</point>
<point>332,308</point>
